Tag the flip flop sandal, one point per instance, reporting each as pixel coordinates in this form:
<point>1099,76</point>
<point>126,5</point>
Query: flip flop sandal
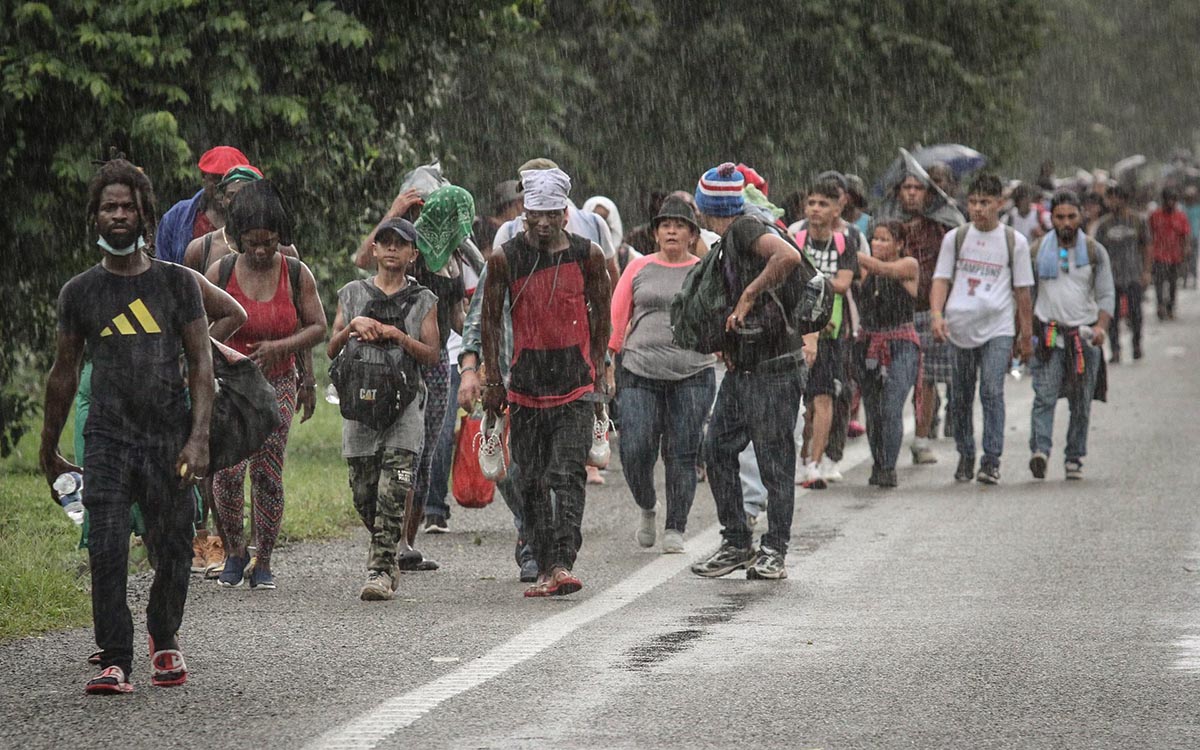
<point>538,590</point>
<point>111,681</point>
<point>168,668</point>
<point>562,584</point>
<point>95,657</point>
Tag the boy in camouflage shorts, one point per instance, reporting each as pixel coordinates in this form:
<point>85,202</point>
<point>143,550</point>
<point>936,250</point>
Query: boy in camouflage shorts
<point>382,462</point>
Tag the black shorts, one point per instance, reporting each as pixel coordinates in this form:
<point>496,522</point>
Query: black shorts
<point>828,372</point>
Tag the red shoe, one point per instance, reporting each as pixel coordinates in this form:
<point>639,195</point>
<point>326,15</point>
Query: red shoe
<point>112,681</point>
<point>562,582</point>
<point>855,429</point>
<point>167,668</point>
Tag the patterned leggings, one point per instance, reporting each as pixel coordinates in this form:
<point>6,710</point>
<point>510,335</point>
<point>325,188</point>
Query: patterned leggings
<point>437,383</point>
<point>266,481</point>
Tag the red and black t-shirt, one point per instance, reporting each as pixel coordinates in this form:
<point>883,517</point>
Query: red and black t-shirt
<point>551,336</point>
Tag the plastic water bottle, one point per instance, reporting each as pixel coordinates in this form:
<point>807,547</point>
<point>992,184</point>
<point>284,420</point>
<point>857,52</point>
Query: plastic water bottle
<point>69,487</point>
<point>331,395</point>
<point>1016,369</point>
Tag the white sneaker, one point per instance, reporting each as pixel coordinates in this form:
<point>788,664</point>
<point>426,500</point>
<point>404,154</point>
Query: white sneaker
<point>672,542</point>
<point>801,470</point>
<point>829,470</point>
<point>493,452</point>
<point>599,453</point>
<point>814,480</point>
<point>646,533</point>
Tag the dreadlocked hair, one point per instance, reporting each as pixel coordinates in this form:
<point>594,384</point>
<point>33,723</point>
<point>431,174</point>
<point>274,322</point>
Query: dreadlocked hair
<point>119,171</point>
<point>258,205</point>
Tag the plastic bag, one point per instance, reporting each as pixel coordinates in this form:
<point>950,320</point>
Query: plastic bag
<point>470,488</point>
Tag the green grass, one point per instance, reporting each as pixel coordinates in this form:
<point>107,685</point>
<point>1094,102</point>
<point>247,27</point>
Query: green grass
<point>43,574</point>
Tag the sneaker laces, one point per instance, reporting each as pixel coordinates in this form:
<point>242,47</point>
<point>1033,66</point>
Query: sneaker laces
<point>487,441</point>
<point>600,428</point>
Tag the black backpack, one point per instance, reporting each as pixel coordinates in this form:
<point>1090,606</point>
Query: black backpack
<point>245,411</point>
<point>377,382</point>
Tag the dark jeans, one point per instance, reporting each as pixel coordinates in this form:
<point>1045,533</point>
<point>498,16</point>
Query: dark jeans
<point>551,446</point>
<point>1129,304</point>
<point>883,401</point>
<point>987,363</point>
<point>1166,279</point>
<point>115,477</point>
<point>443,454</point>
<point>667,415</point>
<point>755,408</point>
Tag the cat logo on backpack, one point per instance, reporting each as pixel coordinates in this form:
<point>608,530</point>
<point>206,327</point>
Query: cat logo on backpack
<point>366,394</point>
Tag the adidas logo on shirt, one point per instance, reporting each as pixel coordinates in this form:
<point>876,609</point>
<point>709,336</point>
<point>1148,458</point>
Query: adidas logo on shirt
<point>125,327</point>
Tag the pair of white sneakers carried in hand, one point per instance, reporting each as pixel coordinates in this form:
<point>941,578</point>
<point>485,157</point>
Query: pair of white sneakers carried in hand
<point>493,444</point>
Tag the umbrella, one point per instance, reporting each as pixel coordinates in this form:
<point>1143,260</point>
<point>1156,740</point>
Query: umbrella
<point>961,159</point>
<point>1127,164</point>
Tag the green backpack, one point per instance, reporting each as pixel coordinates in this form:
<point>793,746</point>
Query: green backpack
<point>699,309</point>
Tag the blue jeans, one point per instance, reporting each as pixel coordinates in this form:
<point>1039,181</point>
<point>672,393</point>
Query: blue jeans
<point>757,408</point>
<point>883,400</point>
<point>987,363</point>
<point>443,454</point>
<point>667,415</point>
<point>1049,383</point>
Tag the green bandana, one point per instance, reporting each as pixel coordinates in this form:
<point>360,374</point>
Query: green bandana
<point>240,174</point>
<point>445,221</point>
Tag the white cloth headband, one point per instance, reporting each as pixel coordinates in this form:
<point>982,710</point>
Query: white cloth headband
<point>545,189</point>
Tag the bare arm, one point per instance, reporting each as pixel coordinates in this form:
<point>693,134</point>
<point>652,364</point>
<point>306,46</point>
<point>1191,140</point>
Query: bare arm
<point>60,390</point>
<point>194,254</point>
<point>341,334</point>
<point>782,258</point>
<point>1024,300</point>
<point>937,303</point>
<point>492,328</point>
<point>599,295</point>
<point>225,315</point>
<point>905,270</point>
<point>192,462</point>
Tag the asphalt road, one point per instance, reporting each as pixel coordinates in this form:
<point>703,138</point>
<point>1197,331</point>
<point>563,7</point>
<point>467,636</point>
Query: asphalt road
<point>1032,614</point>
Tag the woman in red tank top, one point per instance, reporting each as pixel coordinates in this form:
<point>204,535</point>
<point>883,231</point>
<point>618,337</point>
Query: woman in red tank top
<point>276,330</point>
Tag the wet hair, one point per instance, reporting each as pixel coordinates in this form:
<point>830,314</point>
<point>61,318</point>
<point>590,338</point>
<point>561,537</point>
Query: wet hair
<point>1023,191</point>
<point>1065,198</point>
<point>119,171</point>
<point>986,184</point>
<point>1170,194</point>
<point>258,205</point>
<point>827,188</point>
<point>895,227</point>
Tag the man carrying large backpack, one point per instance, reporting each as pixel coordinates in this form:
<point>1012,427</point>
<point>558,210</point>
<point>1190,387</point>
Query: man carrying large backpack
<point>759,398</point>
<point>980,299</point>
<point>391,316</point>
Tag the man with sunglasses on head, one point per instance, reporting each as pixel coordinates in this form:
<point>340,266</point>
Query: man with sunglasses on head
<point>1075,302</point>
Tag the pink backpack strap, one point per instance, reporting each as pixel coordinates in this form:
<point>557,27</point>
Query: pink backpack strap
<point>839,240</point>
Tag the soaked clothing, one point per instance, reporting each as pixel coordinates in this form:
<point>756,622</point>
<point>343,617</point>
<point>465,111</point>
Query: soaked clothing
<point>884,303</point>
<point>271,320</point>
<point>138,422</point>
<point>407,432</point>
<point>924,242</point>
<point>379,485</point>
<point>551,363</point>
<point>133,329</point>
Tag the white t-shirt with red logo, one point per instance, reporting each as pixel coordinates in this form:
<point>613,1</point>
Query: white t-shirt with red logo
<point>981,306</point>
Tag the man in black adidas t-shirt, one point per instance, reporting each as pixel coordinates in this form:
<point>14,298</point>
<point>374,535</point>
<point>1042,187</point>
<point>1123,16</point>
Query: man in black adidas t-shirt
<point>144,443</point>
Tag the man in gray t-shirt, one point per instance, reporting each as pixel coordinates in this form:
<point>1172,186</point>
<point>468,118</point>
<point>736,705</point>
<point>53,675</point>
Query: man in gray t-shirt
<point>1127,238</point>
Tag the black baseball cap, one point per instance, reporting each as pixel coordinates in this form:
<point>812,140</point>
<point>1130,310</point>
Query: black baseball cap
<point>403,227</point>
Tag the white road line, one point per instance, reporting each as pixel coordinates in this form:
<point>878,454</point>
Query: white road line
<point>394,714</point>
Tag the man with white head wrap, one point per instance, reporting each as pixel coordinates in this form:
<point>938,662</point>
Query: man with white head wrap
<point>558,291</point>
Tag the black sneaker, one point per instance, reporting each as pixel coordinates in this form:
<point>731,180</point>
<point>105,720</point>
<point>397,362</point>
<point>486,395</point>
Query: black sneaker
<point>966,469</point>
<point>436,524</point>
<point>724,561</point>
<point>1037,465</point>
<point>874,478</point>
<point>989,473</point>
<point>767,565</point>
<point>1073,469</point>
<point>887,478</point>
<point>529,570</point>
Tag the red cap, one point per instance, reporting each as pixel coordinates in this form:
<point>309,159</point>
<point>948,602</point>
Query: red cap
<point>753,177</point>
<point>221,159</point>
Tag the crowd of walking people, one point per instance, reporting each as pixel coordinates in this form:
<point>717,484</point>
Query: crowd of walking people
<point>562,328</point>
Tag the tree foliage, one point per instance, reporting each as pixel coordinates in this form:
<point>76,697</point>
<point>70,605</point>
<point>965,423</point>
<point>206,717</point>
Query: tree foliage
<point>335,101</point>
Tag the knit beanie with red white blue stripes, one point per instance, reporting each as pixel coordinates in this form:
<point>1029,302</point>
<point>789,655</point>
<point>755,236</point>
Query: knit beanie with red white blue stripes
<point>720,191</point>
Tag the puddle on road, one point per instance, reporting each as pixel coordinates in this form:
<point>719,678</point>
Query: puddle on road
<point>665,645</point>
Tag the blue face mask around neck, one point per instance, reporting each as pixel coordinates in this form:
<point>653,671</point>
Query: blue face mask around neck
<point>120,251</point>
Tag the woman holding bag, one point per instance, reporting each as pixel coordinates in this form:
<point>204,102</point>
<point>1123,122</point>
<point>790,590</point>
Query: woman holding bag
<point>276,330</point>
